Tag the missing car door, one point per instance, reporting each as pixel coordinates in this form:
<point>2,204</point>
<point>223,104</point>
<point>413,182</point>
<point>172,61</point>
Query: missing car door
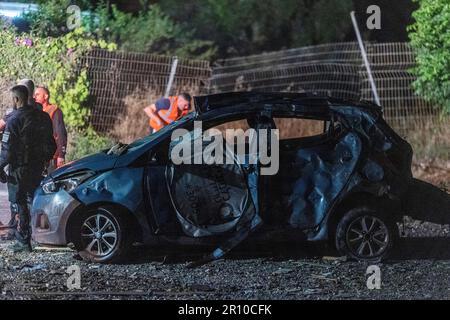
<point>314,167</point>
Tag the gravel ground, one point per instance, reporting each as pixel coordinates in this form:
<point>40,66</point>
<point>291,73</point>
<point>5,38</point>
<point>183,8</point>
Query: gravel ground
<point>299,274</point>
<point>419,269</point>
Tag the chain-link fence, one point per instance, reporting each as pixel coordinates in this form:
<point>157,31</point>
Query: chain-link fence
<point>325,69</point>
<point>336,70</point>
<point>115,75</point>
<point>329,69</point>
<point>391,64</point>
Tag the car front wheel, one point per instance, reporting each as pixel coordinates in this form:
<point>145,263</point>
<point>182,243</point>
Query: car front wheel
<point>101,235</point>
<point>365,234</point>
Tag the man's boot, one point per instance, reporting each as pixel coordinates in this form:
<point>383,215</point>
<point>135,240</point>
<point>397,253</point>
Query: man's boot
<point>23,243</point>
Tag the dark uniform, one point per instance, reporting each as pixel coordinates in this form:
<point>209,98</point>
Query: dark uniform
<point>26,145</point>
<point>13,206</point>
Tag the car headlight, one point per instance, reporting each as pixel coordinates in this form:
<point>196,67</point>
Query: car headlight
<point>67,183</point>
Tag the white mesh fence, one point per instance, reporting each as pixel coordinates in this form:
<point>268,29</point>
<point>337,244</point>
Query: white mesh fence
<point>336,70</point>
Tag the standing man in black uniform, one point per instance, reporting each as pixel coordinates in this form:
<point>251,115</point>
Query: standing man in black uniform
<point>27,144</point>
<point>13,206</point>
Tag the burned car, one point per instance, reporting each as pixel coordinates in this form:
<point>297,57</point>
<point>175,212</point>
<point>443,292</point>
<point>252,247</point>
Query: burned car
<point>345,183</point>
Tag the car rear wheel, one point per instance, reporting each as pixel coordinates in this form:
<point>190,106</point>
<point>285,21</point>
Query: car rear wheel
<point>365,234</point>
<point>101,235</point>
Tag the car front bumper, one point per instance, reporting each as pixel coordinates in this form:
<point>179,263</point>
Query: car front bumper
<point>49,216</point>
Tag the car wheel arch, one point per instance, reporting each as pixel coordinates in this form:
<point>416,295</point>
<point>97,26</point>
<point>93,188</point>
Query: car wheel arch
<point>137,230</point>
<point>358,199</point>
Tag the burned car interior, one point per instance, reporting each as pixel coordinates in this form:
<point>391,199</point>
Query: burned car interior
<point>231,200</point>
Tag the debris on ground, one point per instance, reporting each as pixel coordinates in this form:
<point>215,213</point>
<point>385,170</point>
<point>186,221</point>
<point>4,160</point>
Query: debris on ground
<point>48,249</point>
<point>30,268</point>
<point>419,269</point>
<point>334,259</point>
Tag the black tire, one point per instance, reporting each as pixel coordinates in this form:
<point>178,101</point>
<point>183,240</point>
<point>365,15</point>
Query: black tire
<point>365,234</point>
<point>108,244</point>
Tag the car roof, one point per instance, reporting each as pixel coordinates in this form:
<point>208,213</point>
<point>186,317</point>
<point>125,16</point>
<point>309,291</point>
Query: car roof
<point>317,103</point>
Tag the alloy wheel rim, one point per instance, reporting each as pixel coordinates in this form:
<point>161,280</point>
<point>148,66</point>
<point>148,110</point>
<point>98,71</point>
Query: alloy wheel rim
<point>367,237</point>
<point>99,235</point>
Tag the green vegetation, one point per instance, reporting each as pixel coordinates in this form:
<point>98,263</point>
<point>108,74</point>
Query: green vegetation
<point>52,62</point>
<point>430,38</point>
<point>248,27</point>
<point>86,142</point>
<point>51,18</point>
<point>204,29</point>
<point>151,30</point>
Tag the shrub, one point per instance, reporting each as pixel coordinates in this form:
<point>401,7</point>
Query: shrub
<point>151,30</point>
<point>51,18</point>
<point>430,38</point>
<point>51,62</point>
<point>82,143</point>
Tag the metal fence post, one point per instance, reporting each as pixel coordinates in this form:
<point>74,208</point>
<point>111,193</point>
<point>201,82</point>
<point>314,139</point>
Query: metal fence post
<point>364,55</point>
<point>171,76</point>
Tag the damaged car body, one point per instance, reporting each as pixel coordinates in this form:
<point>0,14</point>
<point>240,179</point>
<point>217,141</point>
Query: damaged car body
<point>348,185</point>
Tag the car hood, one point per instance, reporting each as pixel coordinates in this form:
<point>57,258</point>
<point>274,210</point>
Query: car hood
<point>95,162</point>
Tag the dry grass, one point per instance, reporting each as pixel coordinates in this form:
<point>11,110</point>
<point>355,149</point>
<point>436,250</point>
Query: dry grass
<point>431,145</point>
<point>133,123</point>
<point>288,128</point>
<point>296,128</point>
<point>430,140</point>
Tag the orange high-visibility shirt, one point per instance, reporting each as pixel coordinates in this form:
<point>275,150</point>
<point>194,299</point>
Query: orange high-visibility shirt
<point>170,115</point>
<point>50,109</point>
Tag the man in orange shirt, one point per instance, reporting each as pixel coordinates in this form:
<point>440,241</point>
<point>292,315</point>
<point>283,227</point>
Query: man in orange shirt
<point>42,96</point>
<point>167,110</point>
